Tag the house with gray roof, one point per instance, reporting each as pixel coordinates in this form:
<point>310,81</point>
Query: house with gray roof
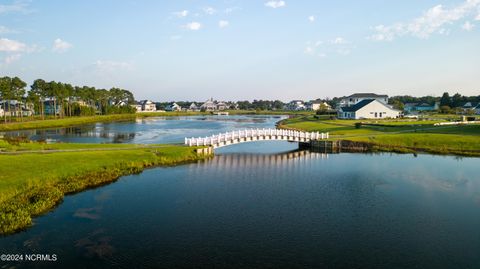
<point>358,97</point>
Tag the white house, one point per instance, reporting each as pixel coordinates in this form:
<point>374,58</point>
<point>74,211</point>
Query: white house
<point>146,106</point>
<point>358,97</point>
<point>295,105</point>
<point>316,105</point>
<point>222,106</point>
<point>173,107</point>
<point>193,107</point>
<point>368,109</point>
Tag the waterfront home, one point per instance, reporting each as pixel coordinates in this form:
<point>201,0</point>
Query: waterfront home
<point>14,108</point>
<point>193,107</point>
<point>146,106</point>
<point>222,106</point>
<point>209,105</point>
<point>173,107</point>
<point>358,97</point>
<point>295,105</point>
<point>316,105</point>
<point>368,109</point>
<point>138,107</point>
<point>51,106</point>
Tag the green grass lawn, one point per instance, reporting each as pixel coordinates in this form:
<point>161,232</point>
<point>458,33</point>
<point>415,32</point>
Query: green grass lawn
<point>397,135</point>
<point>33,183</point>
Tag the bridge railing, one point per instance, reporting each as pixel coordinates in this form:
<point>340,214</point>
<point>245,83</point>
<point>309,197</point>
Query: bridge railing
<point>253,133</point>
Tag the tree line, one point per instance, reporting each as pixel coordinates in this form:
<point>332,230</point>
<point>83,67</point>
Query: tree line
<point>62,99</point>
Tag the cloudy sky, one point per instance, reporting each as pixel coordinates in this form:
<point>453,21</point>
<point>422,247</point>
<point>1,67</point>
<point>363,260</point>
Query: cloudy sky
<point>255,49</point>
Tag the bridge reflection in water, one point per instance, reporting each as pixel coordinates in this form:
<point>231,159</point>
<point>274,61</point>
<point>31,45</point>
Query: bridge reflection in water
<point>242,162</point>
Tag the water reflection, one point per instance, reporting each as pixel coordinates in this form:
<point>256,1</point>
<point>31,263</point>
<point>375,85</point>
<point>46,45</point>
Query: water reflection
<point>289,209</point>
<point>148,130</point>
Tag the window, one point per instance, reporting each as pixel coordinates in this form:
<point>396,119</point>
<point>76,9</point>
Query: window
<point>376,114</point>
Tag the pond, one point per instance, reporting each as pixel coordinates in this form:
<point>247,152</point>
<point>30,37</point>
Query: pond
<point>265,205</point>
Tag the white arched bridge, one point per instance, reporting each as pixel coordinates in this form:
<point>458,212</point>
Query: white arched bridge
<point>250,135</point>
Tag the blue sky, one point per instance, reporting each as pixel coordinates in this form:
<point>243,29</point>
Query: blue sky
<point>237,50</point>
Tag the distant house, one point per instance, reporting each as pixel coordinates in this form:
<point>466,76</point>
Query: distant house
<point>368,109</point>
<point>173,107</point>
<point>427,107</point>
<point>316,105</point>
<point>146,106</point>
<point>470,107</point>
<point>51,106</point>
<point>358,97</point>
<point>193,107</point>
<point>138,107</point>
<point>222,106</point>
<point>477,109</point>
<point>295,105</point>
<point>420,107</point>
<point>209,105</point>
<point>15,108</point>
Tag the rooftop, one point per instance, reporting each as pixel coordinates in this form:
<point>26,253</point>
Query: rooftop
<point>368,95</point>
<point>357,106</point>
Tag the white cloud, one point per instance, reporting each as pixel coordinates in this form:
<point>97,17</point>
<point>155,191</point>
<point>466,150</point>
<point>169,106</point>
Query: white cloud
<point>8,45</point>
<point>309,50</point>
<point>311,18</point>
<point>275,4</point>
<point>194,26</point>
<point>209,10</point>
<point>61,45</point>
<point>111,66</point>
<point>223,24</point>
<point>432,21</point>
<point>338,45</point>
<point>467,26</point>
<point>478,17</point>
<point>181,14</point>
<point>229,10</point>
<point>338,41</point>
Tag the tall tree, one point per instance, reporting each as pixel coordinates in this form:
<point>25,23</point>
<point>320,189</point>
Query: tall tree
<point>5,94</point>
<point>18,93</point>
<point>445,100</point>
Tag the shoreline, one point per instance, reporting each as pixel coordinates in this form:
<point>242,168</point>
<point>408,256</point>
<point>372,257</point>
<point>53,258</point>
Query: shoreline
<point>35,197</point>
<point>76,121</point>
<point>452,140</point>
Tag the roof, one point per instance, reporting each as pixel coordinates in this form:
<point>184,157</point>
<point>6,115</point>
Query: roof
<point>367,95</point>
<point>357,106</point>
<point>470,105</point>
<point>425,105</point>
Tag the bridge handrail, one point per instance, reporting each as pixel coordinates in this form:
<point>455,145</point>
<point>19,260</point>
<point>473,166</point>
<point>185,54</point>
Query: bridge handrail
<point>251,133</point>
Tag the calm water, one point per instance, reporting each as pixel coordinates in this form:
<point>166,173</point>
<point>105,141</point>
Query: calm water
<point>150,130</point>
<point>283,209</point>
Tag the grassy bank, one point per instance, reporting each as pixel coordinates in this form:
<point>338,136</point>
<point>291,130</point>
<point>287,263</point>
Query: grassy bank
<point>34,183</point>
<point>397,135</point>
<point>36,123</point>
